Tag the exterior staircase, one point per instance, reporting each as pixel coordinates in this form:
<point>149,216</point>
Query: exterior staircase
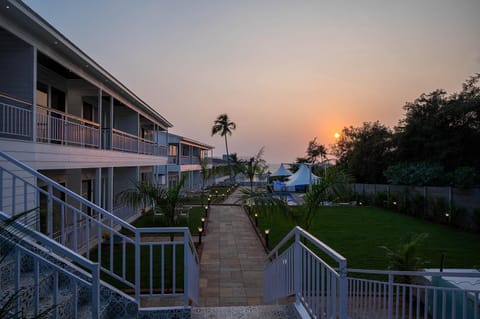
<point>59,272</point>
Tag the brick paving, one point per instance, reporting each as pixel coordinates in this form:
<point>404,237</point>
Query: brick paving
<point>231,267</point>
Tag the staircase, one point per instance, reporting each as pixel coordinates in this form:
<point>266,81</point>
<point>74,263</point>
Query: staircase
<point>55,258</point>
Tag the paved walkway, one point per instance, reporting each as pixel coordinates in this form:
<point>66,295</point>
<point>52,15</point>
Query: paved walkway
<point>231,268</point>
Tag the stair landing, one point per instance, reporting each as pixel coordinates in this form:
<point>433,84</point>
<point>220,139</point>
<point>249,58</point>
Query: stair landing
<point>246,312</point>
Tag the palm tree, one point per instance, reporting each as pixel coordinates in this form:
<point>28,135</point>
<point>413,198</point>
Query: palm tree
<point>207,173</point>
<point>405,257</point>
<point>333,186</point>
<point>224,126</point>
<point>155,199</point>
<point>315,150</point>
<point>255,166</point>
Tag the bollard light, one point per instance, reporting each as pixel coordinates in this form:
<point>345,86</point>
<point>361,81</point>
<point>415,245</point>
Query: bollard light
<point>206,211</point>
<point>200,230</point>
<point>203,222</point>
<point>256,220</point>
<point>267,232</point>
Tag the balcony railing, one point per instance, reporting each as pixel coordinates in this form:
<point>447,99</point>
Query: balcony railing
<point>126,142</point>
<point>15,117</point>
<point>58,127</point>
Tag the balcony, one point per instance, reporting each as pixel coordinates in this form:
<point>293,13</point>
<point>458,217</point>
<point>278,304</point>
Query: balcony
<point>62,128</point>
<point>56,127</point>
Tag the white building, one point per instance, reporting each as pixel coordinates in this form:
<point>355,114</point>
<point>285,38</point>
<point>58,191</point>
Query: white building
<point>67,117</point>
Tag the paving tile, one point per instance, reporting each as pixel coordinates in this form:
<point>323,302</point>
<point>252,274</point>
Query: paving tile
<point>231,270</point>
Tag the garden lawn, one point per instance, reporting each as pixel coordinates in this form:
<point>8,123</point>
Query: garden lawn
<point>194,220</point>
<point>358,232</point>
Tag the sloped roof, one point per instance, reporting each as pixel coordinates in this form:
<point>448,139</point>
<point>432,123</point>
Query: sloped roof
<point>301,177</point>
<point>281,171</point>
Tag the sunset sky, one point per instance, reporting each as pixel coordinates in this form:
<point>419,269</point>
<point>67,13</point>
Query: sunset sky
<point>284,71</point>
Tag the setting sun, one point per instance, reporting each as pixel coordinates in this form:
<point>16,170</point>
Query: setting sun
<point>336,135</point>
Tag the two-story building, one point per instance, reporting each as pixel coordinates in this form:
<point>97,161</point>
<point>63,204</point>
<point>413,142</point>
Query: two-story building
<point>64,115</point>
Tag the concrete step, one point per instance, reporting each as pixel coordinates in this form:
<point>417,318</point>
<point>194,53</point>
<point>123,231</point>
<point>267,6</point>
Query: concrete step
<point>246,312</point>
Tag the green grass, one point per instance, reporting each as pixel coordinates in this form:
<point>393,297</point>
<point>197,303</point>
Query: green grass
<point>194,220</point>
<point>159,279</point>
<point>149,220</point>
<point>358,232</point>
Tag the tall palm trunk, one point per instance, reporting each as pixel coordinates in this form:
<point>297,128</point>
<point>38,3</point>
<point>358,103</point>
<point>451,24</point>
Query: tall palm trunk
<point>228,160</point>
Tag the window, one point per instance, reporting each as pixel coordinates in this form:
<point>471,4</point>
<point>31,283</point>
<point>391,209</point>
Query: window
<point>185,150</point>
<point>58,99</point>
<point>172,150</point>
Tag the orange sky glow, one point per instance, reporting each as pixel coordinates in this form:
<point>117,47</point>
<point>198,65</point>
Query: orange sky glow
<point>284,71</point>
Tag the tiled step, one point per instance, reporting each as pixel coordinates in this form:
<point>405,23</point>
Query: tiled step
<point>246,312</point>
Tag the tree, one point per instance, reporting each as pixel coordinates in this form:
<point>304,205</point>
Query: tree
<point>255,166</point>
<point>405,257</point>
<point>441,128</point>
<point>155,200</point>
<point>334,185</point>
<point>315,150</point>
<point>365,152</point>
<point>207,173</point>
<point>224,126</point>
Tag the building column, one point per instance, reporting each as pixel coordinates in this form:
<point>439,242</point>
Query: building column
<point>109,204</point>
<point>110,131</point>
<point>34,97</point>
<point>100,124</point>
<point>97,199</point>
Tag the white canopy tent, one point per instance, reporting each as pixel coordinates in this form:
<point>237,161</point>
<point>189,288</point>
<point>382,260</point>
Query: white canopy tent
<point>281,172</point>
<point>301,177</point>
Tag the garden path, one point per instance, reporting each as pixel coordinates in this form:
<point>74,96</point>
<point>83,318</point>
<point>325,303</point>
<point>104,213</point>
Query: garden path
<point>231,267</point>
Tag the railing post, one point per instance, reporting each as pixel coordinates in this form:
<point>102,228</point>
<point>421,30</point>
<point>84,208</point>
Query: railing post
<point>137,265</point>
<point>96,291</point>
<point>186,268</point>
<point>1,188</point>
<point>390,296</point>
<point>343,288</point>
<point>50,212</point>
<point>297,268</point>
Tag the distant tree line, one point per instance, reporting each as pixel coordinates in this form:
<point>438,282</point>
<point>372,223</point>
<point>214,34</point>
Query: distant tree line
<point>436,143</point>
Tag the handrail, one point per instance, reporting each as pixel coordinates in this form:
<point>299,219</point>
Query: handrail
<point>120,132</point>
<point>47,242</point>
<point>291,272</point>
<point>473,274</point>
<point>300,231</point>
<point>67,191</point>
<point>14,98</point>
<point>67,115</point>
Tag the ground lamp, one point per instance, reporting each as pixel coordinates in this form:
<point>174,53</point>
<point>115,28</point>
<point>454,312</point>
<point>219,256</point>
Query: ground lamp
<point>267,231</point>
<point>203,222</point>
<point>200,230</point>
<point>206,211</point>
<point>256,220</point>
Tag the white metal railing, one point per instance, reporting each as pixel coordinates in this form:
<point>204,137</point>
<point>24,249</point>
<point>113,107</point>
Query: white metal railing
<point>88,229</point>
<point>422,297</point>
<point>126,142</point>
<point>58,127</point>
<point>45,279</point>
<point>298,270</point>
<point>15,117</point>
